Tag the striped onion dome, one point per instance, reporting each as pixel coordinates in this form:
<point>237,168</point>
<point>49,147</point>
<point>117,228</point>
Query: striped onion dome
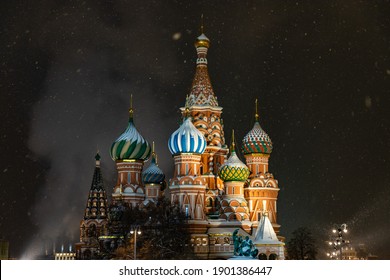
<point>130,145</point>
<point>233,169</point>
<point>187,139</point>
<point>153,174</point>
<point>256,141</point>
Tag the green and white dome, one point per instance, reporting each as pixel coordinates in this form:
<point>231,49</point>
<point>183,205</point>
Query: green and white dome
<point>130,145</point>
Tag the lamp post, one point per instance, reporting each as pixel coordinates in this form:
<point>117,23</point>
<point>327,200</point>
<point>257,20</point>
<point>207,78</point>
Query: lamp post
<point>136,231</point>
<point>338,240</point>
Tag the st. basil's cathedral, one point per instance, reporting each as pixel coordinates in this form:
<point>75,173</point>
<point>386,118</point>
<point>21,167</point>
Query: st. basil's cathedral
<point>213,187</point>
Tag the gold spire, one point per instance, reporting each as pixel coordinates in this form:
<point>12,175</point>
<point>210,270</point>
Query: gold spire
<point>154,155</point>
<point>202,40</point>
<point>256,114</point>
<point>201,24</point>
<point>131,111</point>
<point>232,145</point>
<point>187,109</point>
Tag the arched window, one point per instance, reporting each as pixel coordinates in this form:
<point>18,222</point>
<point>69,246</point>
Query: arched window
<point>87,254</point>
<point>187,212</point>
<point>273,257</point>
<point>262,256</point>
<point>217,204</point>
<point>209,202</point>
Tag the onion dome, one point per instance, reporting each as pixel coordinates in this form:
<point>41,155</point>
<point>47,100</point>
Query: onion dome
<point>233,169</point>
<point>257,140</point>
<point>130,144</point>
<point>202,41</point>
<point>187,139</point>
<point>153,174</point>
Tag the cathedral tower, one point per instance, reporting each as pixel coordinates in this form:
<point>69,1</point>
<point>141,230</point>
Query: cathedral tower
<point>206,117</point>
<point>262,189</point>
<point>187,187</point>
<point>95,220</point>
<point>129,152</point>
<point>153,179</point>
<point>234,173</point>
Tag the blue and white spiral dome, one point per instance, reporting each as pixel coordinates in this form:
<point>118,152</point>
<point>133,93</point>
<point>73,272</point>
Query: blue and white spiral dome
<point>187,139</point>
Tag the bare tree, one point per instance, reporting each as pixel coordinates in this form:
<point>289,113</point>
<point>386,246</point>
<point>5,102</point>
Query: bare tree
<point>166,235</point>
<point>163,228</point>
<point>302,245</point>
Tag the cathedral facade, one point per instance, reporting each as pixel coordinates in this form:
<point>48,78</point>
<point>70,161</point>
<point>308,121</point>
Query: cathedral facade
<point>214,188</point>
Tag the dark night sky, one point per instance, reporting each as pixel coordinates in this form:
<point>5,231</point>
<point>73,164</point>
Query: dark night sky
<point>320,69</point>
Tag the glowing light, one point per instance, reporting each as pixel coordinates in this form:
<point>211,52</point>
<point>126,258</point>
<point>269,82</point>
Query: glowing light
<point>176,36</point>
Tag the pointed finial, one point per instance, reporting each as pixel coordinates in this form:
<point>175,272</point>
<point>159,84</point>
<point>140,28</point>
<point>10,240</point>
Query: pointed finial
<point>256,114</point>
<point>154,155</point>
<point>201,24</point>
<point>131,111</point>
<point>187,101</point>
<point>202,41</point>
<point>232,145</point>
<point>187,109</point>
<point>97,157</point>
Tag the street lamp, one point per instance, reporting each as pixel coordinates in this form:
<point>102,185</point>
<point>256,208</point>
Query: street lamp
<point>136,231</point>
<point>338,240</point>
